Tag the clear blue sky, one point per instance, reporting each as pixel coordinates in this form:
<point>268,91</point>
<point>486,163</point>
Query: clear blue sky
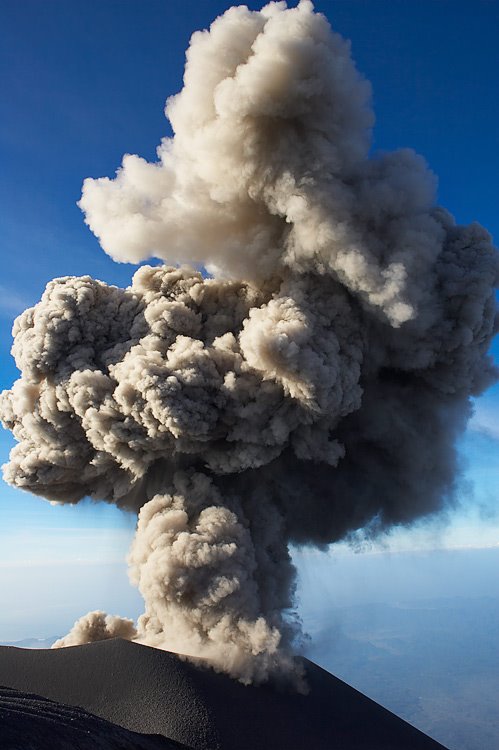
<point>85,82</point>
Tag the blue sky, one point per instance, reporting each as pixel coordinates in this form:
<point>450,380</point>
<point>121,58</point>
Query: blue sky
<point>85,83</point>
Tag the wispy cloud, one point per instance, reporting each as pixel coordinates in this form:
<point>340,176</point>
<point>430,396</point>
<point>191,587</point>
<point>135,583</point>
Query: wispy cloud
<point>471,530</point>
<point>27,548</point>
<point>486,422</point>
<point>12,302</point>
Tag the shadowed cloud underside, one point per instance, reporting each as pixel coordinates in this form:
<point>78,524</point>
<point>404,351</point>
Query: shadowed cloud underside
<point>314,386</point>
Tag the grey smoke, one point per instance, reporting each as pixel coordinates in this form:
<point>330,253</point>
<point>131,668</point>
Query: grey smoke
<point>314,386</point>
<point>97,626</point>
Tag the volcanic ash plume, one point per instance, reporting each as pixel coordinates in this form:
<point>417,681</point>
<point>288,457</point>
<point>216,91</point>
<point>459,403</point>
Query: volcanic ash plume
<point>97,626</point>
<point>314,386</point>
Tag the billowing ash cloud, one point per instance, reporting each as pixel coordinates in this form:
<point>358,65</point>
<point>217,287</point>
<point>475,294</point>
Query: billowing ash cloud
<point>313,387</point>
<point>97,626</point>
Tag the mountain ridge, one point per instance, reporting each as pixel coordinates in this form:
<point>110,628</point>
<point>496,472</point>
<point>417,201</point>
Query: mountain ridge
<point>147,690</point>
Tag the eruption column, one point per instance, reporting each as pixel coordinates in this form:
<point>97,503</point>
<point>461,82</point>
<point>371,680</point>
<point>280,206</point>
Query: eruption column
<point>314,386</point>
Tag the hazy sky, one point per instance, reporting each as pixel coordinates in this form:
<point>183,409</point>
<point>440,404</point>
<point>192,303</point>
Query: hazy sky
<point>86,82</point>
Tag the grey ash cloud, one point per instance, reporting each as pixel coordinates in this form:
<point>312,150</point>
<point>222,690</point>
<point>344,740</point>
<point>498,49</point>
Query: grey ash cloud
<point>315,385</point>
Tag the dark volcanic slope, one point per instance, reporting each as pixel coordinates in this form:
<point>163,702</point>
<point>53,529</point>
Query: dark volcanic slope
<point>152,691</point>
<point>29,722</point>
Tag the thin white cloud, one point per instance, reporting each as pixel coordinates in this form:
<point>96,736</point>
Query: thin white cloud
<point>485,419</point>
<point>12,302</point>
<point>485,424</point>
<point>460,531</point>
<point>27,548</point>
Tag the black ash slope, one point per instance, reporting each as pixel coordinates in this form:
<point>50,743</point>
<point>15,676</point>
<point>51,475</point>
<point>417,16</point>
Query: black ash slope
<point>151,691</point>
<point>30,722</point>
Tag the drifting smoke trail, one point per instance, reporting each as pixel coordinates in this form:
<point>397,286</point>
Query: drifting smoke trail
<point>315,386</point>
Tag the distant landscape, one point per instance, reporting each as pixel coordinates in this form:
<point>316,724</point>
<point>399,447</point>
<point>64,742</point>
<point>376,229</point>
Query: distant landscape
<point>435,663</point>
<point>416,632</point>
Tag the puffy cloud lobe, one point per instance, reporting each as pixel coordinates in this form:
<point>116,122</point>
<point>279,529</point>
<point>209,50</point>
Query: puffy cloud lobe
<point>315,386</point>
<point>216,387</point>
<point>194,561</point>
<point>97,626</point>
<point>268,165</point>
